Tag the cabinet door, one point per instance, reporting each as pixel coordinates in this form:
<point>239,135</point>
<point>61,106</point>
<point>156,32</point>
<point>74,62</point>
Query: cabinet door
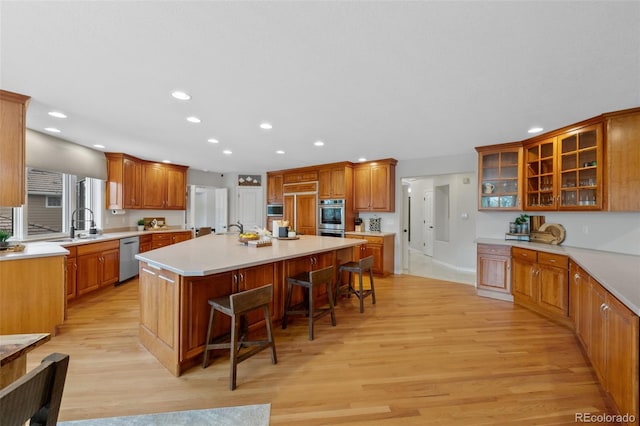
<point>498,180</point>
<point>179,237</point>
<point>361,188</point>
<point>553,290</point>
<point>154,181</point>
<point>579,303</point>
<point>524,280</point>
<point>306,214</point>
<point>622,356</point>
<point>109,267</point>
<point>258,276</point>
<point>176,189</point>
<point>494,273</point>
<point>71,270</point>
<point>274,189</point>
<point>381,183</point>
<point>580,169</point>
<point>623,157</point>
<point>131,186</point>
<point>376,250</point>
<point>324,184</point>
<point>13,108</point>
<point>597,349</point>
<point>88,276</point>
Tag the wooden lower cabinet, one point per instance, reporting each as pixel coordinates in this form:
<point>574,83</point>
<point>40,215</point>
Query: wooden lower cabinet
<point>494,268</point>
<point>540,282</point>
<point>613,348</point>
<point>299,265</point>
<point>382,248</point>
<point>145,243</point>
<point>70,273</point>
<point>98,265</point>
<point>163,239</point>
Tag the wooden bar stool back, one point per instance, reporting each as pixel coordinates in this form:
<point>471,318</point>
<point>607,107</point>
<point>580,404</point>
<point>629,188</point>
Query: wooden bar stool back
<point>360,267</point>
<point>237,306</point>
<point>310,280</point>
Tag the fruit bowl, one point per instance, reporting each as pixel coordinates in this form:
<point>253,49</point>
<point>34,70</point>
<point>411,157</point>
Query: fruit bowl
<point>246,237</point>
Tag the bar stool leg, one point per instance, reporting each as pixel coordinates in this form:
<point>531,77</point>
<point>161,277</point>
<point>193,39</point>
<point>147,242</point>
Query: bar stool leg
<point>286,306</point>
<point>205,358</point>
<point>373,290</point>
<point>267,318</point>
<point>311,313</point>
<point>331,305</point>
<point>233,351</point>
<point>361,294</point>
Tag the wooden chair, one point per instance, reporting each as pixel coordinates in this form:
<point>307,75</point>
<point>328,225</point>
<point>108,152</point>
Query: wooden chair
<point>310,280</point>
<point>237,306</point>
<point>36,395</point>
<point>360,267</point>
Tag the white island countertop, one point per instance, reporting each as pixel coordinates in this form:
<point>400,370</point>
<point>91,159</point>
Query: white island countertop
<point>33,250</point>
<point>213,253</point>
<point>618,273</point>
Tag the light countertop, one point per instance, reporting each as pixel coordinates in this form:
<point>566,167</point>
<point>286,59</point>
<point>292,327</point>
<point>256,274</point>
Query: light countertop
<point>34,250</point>
<point>618,273</point>
<point>220,253</point>
<point>370,233</point>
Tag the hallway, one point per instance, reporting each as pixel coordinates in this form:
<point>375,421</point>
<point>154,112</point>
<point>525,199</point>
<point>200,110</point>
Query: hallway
<point>424,266</point>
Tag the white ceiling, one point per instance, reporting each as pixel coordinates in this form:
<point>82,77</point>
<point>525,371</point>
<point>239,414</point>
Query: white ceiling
<point>371,79</point>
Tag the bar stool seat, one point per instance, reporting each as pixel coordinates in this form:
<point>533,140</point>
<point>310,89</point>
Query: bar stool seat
<point>237,306</point>
<point>309,281</point>
<point>360,267</point>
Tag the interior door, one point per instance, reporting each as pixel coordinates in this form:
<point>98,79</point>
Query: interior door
<point>249,207</point>
<point>428,223</point>
<point>221,208</point>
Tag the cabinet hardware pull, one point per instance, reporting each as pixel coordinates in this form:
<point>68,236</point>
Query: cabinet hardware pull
<point>148,271</point>
<point>162,277</point>
<point>576,277</point>
<point>235,278</point>
<point>241,276</point>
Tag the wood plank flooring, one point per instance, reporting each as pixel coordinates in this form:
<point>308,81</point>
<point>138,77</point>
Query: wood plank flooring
<point>429,352</point>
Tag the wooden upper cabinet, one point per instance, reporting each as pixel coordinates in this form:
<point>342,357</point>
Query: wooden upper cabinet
<point>301,176</point>
<point>333,182</point>
<point>623,160</point>
<point>374,186</point>
<point>176,188</point>
<point>274,188</point>
<point>499,177</point>
<point>13,110</point>
<point>564,172</point>
<point>124,182</point>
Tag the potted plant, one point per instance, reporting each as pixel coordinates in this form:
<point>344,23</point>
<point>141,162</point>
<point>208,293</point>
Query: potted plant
<point>4,236</point>
<point>522,223</point>
<point>140,224</point>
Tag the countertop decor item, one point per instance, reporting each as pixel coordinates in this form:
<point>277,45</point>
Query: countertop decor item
<point>549,233</point>
<point>375,224</point>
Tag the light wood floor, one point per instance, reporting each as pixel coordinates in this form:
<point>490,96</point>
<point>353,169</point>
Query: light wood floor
<point>428,353</point>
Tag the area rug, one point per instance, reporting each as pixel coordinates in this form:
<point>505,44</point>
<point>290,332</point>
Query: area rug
<point>245,415</point>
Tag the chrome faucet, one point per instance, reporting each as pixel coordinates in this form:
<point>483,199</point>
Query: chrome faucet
<point>237,225</point>
<point>92,229</point>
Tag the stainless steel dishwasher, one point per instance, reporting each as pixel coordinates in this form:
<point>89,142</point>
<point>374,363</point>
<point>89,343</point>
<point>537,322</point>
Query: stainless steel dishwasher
<point>128,263</point>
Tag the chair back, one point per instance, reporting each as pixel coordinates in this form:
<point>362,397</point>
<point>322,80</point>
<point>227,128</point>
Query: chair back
<point>36,395</point>
<point>321,275</point>
<point>251,299</point>
<point>366,263</point>
<point>205,230</point>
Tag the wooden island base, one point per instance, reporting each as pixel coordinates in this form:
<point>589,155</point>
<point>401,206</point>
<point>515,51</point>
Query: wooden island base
<point>174,309</point>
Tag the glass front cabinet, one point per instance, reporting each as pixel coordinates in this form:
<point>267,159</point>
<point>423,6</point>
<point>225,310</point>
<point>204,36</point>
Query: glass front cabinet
<point>564,172</point>
<point>499,177</point>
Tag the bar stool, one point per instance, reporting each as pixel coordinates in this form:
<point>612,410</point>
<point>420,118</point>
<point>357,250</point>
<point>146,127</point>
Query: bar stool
<point>310,280</point>
<point>360,267</point>
<point>237,306</point>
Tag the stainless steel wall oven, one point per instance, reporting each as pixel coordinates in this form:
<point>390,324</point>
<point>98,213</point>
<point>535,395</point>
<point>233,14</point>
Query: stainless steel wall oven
<point>331,218</point>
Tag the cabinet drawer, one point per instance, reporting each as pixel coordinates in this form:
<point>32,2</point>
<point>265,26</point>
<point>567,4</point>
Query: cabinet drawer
<point>98,247</point>
<point>524,254</point>
<point>73,251</point>
<point>373,240</point>
<point>145,238</point>
<point>498,250</point>
<point>557,260</point>
<point>161,237</point>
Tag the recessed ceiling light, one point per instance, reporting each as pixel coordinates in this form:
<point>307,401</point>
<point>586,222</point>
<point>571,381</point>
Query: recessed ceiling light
<point>279,151</point>
<point>166,161</point>
<point>99,146</point>
<point>266,126</point>
<point>227,152</point>
<point>212,140</point>
<point>361,159</point>
<point>52,129</point>
<point>318,143</point>
<point>178,94</point>
<point>57,114</point>
<point>193,119</point>
<point>535,130</point>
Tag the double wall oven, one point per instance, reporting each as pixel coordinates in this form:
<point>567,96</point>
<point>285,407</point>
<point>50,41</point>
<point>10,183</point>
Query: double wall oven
<point>331,218</point>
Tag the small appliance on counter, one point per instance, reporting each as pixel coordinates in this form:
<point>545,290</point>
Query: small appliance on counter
<point>358,224</point>
<point>280,228</point>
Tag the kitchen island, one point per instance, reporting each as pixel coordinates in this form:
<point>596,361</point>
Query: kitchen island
<point>177,281</point>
